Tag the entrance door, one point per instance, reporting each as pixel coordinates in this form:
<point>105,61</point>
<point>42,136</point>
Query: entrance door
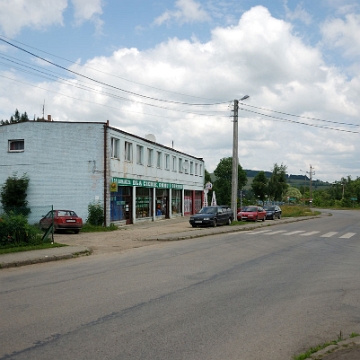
<point>121,205</point>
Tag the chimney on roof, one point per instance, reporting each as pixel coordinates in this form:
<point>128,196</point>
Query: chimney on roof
<point>49,117</point>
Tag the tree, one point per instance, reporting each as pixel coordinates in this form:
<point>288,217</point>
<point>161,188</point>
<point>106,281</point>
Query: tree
<point>259,186</point>
<point>292,193</point>
<point>222,184</point>
<point>277,183</point>
<point>16,118</point>
<point>13,195</point>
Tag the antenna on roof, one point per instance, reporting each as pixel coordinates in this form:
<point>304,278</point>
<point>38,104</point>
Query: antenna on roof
<point>44,110</point>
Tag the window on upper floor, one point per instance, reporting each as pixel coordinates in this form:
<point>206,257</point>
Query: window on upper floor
<point>150,157</point>
<point>115,146</point>
<point>158,159</point>
<point>200,170</point>
<point>186,166</point>
<point>139,154</point>
<point>196,169</point>
<point>191,168</point>
<point>16,145</point>
<point>167,162</point>
<point>128,151</point>
<point>180,165</point>
<point>174,163</point>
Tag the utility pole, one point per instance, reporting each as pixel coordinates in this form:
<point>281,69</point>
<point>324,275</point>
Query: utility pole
<point>235,159</point>
<point>311,173</point>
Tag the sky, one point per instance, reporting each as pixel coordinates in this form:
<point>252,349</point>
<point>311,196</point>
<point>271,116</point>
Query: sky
<point>173,68</point>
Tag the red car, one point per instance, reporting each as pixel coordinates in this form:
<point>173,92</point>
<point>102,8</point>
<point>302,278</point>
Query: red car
<point>63,220</point>
<point>253,213</point>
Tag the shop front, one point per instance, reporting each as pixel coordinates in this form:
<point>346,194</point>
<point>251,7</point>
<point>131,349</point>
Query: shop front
<point>136,200</point>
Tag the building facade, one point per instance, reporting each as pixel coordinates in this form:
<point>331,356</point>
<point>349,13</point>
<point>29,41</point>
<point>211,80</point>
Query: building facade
<point>73,164</point>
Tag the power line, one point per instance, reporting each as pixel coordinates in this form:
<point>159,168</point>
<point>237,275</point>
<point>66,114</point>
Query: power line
<point>105,84</point>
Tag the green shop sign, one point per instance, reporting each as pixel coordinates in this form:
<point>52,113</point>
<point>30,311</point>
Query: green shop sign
<point>146,183</point>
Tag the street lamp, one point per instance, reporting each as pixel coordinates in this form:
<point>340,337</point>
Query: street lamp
<point>235,158</point>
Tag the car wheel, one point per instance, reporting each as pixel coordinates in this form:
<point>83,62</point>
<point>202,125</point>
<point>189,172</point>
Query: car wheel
<point>229,221</point>
<point>214,223</point>
<point>273,217</point>
<point>263,219</point>
<point>76,231</point>
<point>256,219</point>
<point>279,217</point>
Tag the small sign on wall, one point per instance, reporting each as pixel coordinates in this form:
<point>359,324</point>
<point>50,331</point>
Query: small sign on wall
<point>113,187</point>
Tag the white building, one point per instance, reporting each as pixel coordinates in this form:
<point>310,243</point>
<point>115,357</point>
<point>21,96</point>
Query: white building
<point>73,164</point>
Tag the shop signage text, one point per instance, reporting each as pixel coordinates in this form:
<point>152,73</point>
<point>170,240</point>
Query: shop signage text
<point>146,183</point>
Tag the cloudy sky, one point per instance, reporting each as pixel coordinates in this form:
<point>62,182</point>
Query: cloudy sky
<point>173,68</point>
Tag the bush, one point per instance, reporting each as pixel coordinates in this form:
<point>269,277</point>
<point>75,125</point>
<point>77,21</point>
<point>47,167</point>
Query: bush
<point>95,214</point>
<point>15,231</point>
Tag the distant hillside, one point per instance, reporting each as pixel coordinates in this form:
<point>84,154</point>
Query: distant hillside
<point>293,180</point>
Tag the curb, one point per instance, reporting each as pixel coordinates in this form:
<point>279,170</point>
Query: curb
<point>45,258</point>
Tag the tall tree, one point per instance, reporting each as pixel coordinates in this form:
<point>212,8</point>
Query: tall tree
<point>277,183</point>
<point>260,186</point>
<point>222,184</point>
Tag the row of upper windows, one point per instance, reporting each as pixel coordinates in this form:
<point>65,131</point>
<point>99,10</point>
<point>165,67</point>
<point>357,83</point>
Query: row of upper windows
<point>162,160</point>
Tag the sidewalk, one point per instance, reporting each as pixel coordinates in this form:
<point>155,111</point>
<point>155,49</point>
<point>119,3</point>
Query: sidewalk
<point>127,237</point>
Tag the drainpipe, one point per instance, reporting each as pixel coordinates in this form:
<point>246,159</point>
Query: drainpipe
<point>105,171</point>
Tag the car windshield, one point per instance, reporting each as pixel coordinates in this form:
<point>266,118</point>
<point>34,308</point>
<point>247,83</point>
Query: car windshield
<point>269,208</point>
<point>250,209</point>
<point>66,213</point>
<point>207,210</point>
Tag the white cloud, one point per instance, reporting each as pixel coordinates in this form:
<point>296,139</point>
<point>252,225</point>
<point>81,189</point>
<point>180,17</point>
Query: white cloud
<point>259,56</point>
<point>189,11</point>
<point>298,14</point>
<point>39,14</point>
<point>88,10</point>
<point>344,34</point>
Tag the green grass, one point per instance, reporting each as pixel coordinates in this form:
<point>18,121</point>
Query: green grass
<point>8,250</point>
<point>315,349</point>
<point>297,210</point>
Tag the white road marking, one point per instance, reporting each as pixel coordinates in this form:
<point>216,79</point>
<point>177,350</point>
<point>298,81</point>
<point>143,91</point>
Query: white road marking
<point>347,236</point>
<point>275,232</point>
<point>310,233</point>
<point>295,232</point>
<point>257,232</point>
<point>329,234</point>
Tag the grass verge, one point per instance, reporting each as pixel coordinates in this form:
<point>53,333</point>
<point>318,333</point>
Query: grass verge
<point>315,349</point>
<point>8,250</point>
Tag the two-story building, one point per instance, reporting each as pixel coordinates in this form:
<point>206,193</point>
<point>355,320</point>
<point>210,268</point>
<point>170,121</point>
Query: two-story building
<point>73,164</point>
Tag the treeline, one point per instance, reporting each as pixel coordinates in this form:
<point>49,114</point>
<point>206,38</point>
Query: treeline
<point>17,118</point>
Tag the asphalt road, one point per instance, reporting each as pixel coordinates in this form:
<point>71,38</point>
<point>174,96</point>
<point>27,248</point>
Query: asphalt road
<point>263,294</point>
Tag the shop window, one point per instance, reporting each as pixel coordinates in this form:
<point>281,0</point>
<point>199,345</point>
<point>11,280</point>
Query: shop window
<point>128,151</point>
<point>139,154</point>
<point>167,162</point>
<point>176,206</point>
<point>144,200</point>
<point>16,145</point>
<point>162,196</point>
<point>115,148</point>
<point>158,159</point>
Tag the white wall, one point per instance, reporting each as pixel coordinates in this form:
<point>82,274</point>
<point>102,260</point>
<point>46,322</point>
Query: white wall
<point>63,160</point>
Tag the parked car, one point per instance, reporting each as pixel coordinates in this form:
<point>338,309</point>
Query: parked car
<point>63,220</point>
<point>272,212</point>
<point>253,213</point>
<point>212,216</point>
